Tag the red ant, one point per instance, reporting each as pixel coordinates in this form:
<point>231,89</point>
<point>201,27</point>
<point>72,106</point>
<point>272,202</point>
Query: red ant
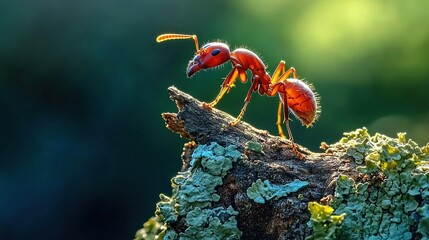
<point>295,95</point>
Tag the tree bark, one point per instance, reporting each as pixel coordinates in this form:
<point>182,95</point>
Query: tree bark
<point>241,182</point>
<point>284,218</point>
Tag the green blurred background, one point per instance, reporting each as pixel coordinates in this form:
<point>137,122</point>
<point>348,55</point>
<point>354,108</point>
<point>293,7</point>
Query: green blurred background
<point>84,152</point>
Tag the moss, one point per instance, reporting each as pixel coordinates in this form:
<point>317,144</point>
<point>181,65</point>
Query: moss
<point>324,224</point>
<point>261,191</point>
<point>193,196</point>
<point>396,191</point>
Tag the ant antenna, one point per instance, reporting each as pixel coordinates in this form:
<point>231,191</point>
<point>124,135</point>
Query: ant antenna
<point>172,36</point>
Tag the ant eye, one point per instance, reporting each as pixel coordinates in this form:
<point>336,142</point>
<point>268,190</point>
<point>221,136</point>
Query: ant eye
<point>215,52</point>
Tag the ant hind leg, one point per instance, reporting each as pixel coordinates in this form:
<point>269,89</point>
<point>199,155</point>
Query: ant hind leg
<point>280,74</point>
<point>294,148</point>
<point>286,120</point>
<point>279,120</point>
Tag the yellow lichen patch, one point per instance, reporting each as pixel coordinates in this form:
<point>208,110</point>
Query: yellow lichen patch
<point>319,212</point>
<point>323,222</point>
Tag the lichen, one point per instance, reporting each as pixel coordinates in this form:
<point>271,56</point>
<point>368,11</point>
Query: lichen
<point>424,220</point>
<point>262,191</point>
<point>150,229</point>
<point>324,224</point>
<point>193,196</point>
<point>208,224</point>
<point>392,198</point>
<point>254,146</point>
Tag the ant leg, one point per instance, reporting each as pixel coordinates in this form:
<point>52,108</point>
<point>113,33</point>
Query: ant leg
<point>281,68</point>
<point>210,105</point>
<point>283,94</point>
<point>240,116</point>
<point>280,74</point>
<point>246,101</point>
<point>277,85</point>
<point>279,120</point>
<point>226,86</point>
<point>294,149</point>
<point>289,132</point>
<point>279,78</point>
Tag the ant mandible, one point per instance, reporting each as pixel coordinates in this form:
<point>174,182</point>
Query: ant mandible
<point>295,95</point>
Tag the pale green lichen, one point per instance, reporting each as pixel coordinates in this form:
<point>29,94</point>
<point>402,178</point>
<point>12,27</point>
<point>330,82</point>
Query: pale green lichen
<point>394,200</point>
<point>193,197</point>
<point>254,146</point>
<point>207,224</point>
<point>262,191</point>
<point>424,220</point>
<point>324,224</point>
<point>166,208</point>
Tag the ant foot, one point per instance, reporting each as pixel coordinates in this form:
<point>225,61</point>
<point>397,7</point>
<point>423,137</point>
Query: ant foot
<point>297,153</point>
<point>207,106</point>
<point>233,123</point>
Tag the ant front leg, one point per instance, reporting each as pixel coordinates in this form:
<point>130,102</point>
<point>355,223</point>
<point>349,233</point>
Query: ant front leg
<point>227,84</point>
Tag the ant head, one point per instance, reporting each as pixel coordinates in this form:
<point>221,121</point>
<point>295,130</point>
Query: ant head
<point>208,56</point>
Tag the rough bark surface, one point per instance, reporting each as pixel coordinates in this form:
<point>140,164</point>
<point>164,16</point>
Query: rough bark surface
<point>242,183</point>
<point>284,218</point>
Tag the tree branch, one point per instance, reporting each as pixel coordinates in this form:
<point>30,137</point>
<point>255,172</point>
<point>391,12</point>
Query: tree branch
<point>275,162</point>
<point>241,182</point>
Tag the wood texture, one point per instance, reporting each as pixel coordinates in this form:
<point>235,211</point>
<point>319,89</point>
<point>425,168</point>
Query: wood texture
<point>285,218</point>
